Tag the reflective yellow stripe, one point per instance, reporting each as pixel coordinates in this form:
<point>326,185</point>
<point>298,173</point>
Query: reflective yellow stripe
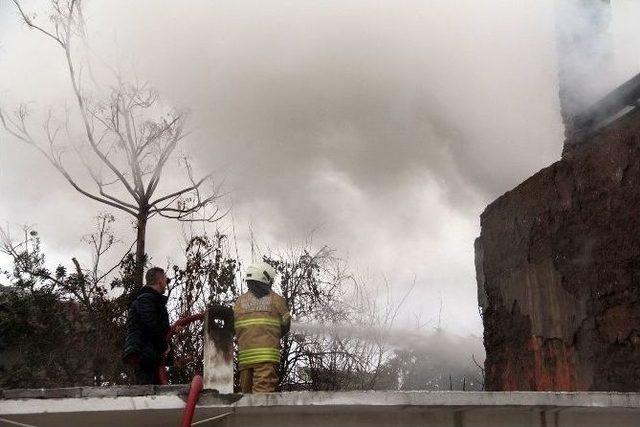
<point>262,321</point>
<point>250,356</point>
<point>260,350</point>
<point>259,359</point>
<point>259,355</point>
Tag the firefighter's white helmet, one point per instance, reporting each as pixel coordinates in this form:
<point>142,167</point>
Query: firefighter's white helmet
<point>261,272</point>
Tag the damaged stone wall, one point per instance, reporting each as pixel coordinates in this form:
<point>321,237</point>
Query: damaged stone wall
<point>558,270</point>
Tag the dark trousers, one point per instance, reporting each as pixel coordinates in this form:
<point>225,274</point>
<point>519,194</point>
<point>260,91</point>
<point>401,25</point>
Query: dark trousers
<point>147,374</point>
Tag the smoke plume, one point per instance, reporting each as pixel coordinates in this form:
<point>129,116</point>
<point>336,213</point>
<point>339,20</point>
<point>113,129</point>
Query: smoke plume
<point>384,127</point>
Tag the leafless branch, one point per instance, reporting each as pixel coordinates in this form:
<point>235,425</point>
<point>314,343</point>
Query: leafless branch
<point>27,20</point>
<point>180,192</point>
<point>121,133</point>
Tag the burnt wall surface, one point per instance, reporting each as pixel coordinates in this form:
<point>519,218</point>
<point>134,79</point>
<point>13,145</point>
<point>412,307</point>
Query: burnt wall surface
<point>558,269</point>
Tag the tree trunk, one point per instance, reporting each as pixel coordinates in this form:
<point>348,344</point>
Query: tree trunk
<point>140,248</point>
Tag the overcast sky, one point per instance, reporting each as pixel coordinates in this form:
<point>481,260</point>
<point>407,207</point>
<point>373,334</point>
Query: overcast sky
<point>382,127</point>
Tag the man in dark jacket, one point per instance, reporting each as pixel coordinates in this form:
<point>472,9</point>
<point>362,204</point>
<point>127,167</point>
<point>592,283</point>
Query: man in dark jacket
<point>147,328</point>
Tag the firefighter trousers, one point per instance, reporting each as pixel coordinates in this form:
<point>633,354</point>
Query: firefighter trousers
<point>260,378</point>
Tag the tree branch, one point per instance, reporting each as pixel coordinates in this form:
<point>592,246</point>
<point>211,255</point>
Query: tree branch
<point>180,192</point>
<point>30,23</point>
<point>164,156</point>
<point>85,119</point>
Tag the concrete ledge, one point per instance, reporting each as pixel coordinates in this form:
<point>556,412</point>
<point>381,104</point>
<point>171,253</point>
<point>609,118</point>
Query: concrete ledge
<point>134,390</point>
<point>152,406</point>
<point>437,399</point>
<point>78,392</point>
<point>122,397</point>
<point>42,393</point>
<point>172,389</point>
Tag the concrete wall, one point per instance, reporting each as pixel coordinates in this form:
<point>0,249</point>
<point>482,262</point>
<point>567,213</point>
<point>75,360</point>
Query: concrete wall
<point>451,409</point>
<point>558,269</point>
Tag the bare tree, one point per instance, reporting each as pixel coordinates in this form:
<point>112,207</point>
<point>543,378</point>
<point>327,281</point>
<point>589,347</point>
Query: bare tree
<point>128,138</point>
<point>311,282</point>
<point>323,297</point>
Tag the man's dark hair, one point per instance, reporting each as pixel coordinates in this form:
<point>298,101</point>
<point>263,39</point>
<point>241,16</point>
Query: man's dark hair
<point>153,274</point>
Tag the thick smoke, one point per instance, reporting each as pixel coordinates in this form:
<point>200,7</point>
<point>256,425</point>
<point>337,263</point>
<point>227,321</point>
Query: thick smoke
<point>386,127</point>
<point>439,345</point>
<point>597,50</point>
<point>584,53</point>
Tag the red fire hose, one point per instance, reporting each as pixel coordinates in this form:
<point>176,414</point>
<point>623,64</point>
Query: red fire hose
<point>196,383</point>
<point>163,377</point>
<point>184,322</point>
<point>194,394</point>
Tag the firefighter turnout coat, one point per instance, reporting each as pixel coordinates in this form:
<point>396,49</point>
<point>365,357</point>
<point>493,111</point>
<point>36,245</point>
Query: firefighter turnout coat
<point>260,324</point>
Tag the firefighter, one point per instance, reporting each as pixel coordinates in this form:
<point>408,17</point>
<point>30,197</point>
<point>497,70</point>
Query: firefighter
<point>261,319</point>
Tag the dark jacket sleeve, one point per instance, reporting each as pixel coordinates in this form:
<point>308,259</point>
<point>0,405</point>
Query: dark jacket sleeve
<point>149,317</point>
<point>133,340</point>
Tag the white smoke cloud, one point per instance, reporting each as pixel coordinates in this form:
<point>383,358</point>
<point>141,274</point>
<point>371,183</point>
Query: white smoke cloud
<point>386,127</point>
<point>438,345</point>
